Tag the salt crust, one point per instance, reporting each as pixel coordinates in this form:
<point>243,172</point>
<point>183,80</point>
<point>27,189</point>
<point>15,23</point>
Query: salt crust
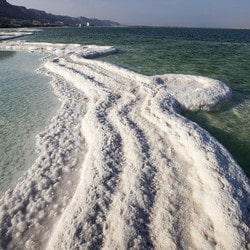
<point>121,168</point>
<point>6,34</point>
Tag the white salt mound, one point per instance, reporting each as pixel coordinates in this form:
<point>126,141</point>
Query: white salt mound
<point>121,168</point>
<point>6,34</point>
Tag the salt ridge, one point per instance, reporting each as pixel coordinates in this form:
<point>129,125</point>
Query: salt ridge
<point>120,167</point>
<point>6,34</point>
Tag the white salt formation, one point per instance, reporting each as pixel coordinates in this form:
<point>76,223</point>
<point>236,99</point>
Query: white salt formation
<point>6,34</point>
<point>121,168</point>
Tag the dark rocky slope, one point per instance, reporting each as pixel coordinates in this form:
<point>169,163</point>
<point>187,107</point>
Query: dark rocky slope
<point>9,12</point>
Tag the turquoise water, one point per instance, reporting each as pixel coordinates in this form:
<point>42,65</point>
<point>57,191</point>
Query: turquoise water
<point>27,104</point>
<point>216,53</point>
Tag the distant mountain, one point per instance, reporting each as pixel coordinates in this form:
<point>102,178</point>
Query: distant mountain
<point>9,12</point>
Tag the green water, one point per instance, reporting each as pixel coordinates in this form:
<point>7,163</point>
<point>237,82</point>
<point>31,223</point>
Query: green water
<point>231,126</point>
<point>216,53</point>
<point>27,104</point>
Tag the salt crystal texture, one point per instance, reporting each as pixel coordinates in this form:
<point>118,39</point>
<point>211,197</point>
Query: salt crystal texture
<point>120,167</point>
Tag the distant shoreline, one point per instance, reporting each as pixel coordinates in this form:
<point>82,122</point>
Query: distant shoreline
<point>121,26</point>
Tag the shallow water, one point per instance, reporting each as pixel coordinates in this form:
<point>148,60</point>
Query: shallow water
<point>27,104</point>
<point>216,53</point>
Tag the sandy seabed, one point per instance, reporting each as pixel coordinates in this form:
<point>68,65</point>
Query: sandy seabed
<point>119,167</point>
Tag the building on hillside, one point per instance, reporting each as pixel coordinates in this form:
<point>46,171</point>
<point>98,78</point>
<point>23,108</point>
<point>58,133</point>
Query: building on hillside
<point>59,23</point>
<point>36,23</point>
<point>21,23</point>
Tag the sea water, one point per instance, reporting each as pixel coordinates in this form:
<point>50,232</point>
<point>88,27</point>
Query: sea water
<point>27,100</point>
<point>221,54</point>
<point>27,104</point>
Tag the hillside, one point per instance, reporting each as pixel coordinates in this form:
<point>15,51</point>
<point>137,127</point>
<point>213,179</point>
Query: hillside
<point>9,12</point>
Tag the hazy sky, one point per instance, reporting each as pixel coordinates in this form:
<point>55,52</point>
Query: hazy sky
<point>188,13</point>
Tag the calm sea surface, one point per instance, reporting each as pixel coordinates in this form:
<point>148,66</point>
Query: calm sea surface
<point>215,53</point>
<point>27,104</point>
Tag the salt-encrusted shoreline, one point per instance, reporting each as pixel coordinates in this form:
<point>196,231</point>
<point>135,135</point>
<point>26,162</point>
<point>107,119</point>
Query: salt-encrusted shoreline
<point>119,167</point>
<point>7,34</point>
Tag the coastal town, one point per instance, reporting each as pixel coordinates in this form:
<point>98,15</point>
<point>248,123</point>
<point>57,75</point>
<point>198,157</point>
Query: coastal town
<point>16,23</point>
<point>12,16</point>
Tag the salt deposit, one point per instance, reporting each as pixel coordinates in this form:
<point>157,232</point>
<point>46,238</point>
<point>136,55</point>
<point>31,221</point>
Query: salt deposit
<point>121,168</point>
<point>6,34</point>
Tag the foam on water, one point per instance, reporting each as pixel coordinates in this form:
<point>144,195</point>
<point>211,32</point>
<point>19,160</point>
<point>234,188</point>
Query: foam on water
<point>120,167</point>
